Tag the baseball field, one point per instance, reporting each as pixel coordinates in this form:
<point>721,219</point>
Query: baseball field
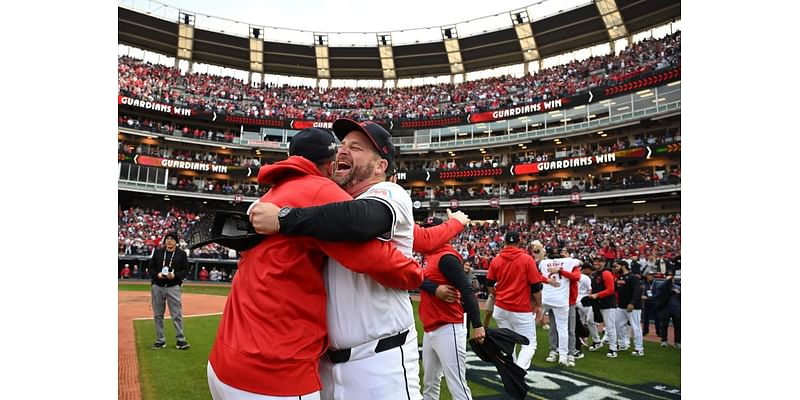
<point>174,374</point>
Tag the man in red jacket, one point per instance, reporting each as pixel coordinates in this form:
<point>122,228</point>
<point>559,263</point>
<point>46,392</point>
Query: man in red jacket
<point>273,330</point>
<point>516,283</point>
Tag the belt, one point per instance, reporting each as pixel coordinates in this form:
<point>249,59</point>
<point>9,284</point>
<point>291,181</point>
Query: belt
<point>343,355</point>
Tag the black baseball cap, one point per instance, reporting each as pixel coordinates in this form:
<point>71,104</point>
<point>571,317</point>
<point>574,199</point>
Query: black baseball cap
<point>313,143</point>
<point>171,234</point>
<point>381,138</point>
<point>431,221</point>
<point>512,237</point>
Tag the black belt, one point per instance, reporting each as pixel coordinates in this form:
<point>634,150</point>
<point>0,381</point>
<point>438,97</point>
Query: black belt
<point>343,355</point>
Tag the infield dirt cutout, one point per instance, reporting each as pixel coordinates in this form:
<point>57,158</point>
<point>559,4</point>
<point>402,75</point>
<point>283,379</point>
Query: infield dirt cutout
<point>133,305</point>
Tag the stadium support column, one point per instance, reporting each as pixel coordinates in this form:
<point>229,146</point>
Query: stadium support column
<point>185,39</point>
<point>450,36</point>
<point>522,26</point>
<point>387,57</point>
<point>256,53</point>
<point>613,21</point>
<point>321,51</point>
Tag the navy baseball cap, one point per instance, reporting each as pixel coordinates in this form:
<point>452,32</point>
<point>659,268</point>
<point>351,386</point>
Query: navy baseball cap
<point>313,143</point>
<point>381,138</point>
<point>512,237</point>
<point>431,221</point>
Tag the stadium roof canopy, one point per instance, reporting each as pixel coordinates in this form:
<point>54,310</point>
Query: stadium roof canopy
<point>514,37</point>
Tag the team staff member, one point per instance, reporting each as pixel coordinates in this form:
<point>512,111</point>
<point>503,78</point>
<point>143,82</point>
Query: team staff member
<point>268,346</point>
<point>649,310</point>
<point>603,292</point>
<point>516,283</point>
<point>168,267</point>
<point>629,310</point>
<point>444,348</point>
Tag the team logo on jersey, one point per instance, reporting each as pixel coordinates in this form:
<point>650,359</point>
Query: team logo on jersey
<point>380,193</point>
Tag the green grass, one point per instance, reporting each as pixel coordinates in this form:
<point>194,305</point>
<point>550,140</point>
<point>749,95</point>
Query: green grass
<point>174,374</point>
<point>171,373</point>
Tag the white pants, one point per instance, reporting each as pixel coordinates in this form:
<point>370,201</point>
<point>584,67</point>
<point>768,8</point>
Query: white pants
<point>444,351</point>
<point>561,316</point>
<point>222,391</point>
<point>609,319</point>
<point>587,317</point>
<point>389,375</point>
<point>522,323</point>
<point>634,317</point>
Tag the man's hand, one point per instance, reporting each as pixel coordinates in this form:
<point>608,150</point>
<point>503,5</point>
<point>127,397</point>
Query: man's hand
<point>630,308</point>
<point>538,312</point>
<point>552,269</point>
<point>479,334</point>
<point>264,217</point>
<point>593,296</point>
<point>161,276</point>
<point>171,275</point>
<point>446,293</point>
<point>459,216</point>
<point>554,282</point>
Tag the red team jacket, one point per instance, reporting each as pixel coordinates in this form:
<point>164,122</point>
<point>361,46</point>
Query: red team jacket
<point>432,311</point>
<point>273,330</point>
<point>514,270</point>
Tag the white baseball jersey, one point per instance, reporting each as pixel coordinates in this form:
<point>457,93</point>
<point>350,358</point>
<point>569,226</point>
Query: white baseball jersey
<point>584,287</point>
<point>557,296</point>
<point>360,309</point>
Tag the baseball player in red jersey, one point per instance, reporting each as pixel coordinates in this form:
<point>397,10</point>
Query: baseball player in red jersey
<point>444,348</point>
<point>268,346</point>
<point>603,290</point>
<point>517,284</point>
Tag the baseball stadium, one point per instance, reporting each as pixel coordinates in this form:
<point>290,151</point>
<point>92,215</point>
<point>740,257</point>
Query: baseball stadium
<point>551,131</point>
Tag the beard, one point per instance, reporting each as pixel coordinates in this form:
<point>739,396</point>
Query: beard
<point>356,175</point>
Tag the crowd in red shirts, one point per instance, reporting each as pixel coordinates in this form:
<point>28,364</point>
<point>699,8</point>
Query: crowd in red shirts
<point>140,230</point>
<point>229,95</point>
<point>654,241</point>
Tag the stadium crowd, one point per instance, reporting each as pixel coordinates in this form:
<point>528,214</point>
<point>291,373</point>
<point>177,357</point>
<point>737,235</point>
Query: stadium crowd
<point>651,240</point>
<point>222,94</point>
<point>140,230</point>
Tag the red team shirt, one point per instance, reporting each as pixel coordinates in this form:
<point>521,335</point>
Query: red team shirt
<point>514,271</point>
<point>432,311</point>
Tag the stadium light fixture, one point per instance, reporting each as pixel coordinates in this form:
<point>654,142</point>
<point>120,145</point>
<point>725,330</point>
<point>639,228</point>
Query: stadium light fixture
<point>591,205</point>
<point>521,144</point>
<point>556,140</point>
<point>639,201</point>
<point>549,210</point>
<point>604,135</point>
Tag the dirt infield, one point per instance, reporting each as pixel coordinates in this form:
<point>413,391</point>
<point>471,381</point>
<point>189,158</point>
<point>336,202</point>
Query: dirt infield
<point>133,305</point>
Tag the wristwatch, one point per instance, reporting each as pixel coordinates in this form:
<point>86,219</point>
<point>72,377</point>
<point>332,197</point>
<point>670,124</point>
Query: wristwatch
<point>283,213</point>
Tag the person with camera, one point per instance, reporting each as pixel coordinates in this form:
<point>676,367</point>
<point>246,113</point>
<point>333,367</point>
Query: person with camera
<point>168,267</point>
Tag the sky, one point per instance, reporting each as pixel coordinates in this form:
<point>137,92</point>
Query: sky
<point>332,17</point>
